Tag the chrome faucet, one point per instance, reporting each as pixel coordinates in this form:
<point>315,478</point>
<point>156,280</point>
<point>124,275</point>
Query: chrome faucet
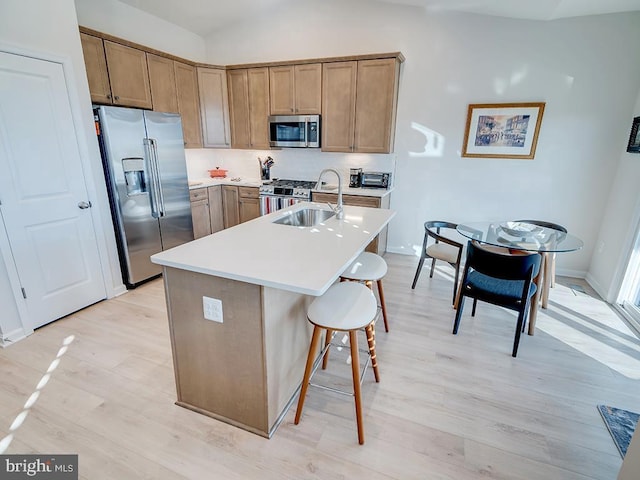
<point>338,209</point>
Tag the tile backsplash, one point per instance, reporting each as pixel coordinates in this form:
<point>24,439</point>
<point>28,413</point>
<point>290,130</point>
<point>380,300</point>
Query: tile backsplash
<point>294,164</point>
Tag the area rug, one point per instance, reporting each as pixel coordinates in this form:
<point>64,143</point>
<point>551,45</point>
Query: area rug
<point>621,424</point>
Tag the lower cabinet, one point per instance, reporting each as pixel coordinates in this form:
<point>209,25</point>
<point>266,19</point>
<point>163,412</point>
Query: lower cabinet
<point>207,210</point>
<point>379,244</point>
<point>200,212</point>
<point>230,207</point>
<point>249,203</point>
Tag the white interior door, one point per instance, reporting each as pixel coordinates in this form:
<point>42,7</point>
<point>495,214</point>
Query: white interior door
<point>43,195</point>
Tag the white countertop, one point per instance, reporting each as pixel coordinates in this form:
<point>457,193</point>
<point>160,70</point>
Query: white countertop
<point>254,182</point>
<point>304,260</point>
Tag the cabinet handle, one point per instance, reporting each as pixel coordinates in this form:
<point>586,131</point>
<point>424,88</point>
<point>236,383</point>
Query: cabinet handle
<point>109,96</point>
<point>117,98</point>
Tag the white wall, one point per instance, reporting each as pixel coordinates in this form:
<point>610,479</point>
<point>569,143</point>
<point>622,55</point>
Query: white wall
<point>49,30</point>
<point>619,223</point>
<point>581,68</point>
<point>121,20</point>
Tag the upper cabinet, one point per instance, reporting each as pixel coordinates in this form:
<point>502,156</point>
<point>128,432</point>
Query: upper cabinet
<point>162,78</point>
<point>214,107</point>
<point>359,100</point>
<point>249,107</point>
<point>117,74</point>
<point>188,104</point>
<point>128,75</point>
<point>296,89</point>
<point>96,65</point>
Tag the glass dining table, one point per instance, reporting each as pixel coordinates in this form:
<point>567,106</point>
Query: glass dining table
<point>520,236</point>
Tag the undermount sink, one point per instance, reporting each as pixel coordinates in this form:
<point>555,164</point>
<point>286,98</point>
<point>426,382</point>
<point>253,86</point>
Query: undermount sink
<point>305,217</point>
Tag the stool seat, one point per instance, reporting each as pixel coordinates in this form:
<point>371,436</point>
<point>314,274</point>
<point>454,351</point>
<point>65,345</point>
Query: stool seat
<point>345,306</point>
<point>367,266</point>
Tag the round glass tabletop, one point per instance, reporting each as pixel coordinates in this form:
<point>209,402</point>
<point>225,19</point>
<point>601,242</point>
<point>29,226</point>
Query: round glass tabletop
<point>520,236</point>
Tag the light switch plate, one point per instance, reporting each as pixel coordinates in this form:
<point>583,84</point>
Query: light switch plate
<point>212,308</point>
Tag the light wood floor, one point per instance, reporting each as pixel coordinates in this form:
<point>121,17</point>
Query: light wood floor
<point>447,407</point>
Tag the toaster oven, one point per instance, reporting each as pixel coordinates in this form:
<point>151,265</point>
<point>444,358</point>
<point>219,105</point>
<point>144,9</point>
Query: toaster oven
<point>375,180</point>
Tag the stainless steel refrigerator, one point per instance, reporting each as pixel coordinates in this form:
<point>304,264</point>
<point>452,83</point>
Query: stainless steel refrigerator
<point>146,172</point>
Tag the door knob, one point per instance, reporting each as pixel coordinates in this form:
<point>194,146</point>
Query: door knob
<point>84,205</point>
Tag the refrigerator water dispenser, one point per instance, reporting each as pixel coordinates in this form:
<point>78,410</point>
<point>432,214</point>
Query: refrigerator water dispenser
<point>134,176</point>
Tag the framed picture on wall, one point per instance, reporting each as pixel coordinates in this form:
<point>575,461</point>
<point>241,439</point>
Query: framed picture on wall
<point>634,138</point>
<point>502,130</point>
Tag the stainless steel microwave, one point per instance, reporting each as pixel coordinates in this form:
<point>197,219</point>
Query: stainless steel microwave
<point>375,180</point>
<point>301,131</point>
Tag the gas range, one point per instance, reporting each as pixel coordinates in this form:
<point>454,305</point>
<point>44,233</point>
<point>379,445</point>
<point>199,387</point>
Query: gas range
<point>278,194</point>
<point>288,188</point>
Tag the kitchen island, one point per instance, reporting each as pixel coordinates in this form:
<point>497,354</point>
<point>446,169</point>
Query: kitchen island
<point>245,366</point>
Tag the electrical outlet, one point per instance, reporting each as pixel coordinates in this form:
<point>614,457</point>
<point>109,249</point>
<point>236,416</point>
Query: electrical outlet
<point>212,308</point>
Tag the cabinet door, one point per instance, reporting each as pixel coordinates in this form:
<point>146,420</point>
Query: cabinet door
<point>338,106</point>
<point>200,217</point>
<point>162,79</point>
<point>308,89</point>
<point>258,82</point>
<point>188,104</point>
<point>249,203</point>
<point>238,108</point>
<point>281,90</point>
<point>376,105</point>
<point>216,214</point>
<point>128,75</point>
<point>214,108</point>
<point>96,66</point>
<point>230,206</point>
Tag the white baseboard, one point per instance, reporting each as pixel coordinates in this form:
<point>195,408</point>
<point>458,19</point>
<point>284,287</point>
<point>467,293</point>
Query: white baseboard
<point>12,337</point>
<point>597,287</point>
<point>401,251</point>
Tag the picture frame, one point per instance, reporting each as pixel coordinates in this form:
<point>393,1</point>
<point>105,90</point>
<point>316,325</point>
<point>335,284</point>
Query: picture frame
<point>634,137</point>
<point>502,130</point>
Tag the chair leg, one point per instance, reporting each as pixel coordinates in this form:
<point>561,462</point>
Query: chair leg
<point>418,271</point>
<point>433,265</point>
<point>473,310</point>
<point>383,305</point>
<point>327,341</point>
<point>455,282</point>
<point>355,373</point>
<point>519,327</point>
<point>456,322</point>
<point>371,341</point>
<point>315,338</point>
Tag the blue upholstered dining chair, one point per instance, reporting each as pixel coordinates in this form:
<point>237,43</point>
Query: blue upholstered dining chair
<point>500,278</point>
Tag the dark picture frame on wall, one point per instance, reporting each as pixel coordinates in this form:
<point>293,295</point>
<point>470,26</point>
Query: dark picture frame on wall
<point>502,130</point>
<point>634,137</point>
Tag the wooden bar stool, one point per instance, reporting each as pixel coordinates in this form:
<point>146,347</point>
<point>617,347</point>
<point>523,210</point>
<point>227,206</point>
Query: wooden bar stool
<point>346,307</point>
<point>368,268</point>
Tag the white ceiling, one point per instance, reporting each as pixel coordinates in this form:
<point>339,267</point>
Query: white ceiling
<point>204,16</point>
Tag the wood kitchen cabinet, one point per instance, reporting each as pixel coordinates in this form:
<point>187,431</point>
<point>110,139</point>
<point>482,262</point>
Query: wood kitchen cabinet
<point>249,107</point>
<point>162,78</point>
<point>379,244</point>
<point>296,89</point>
<point>206,210</point>
<point>214,107</point>
<point>359,101</point>
<point>188,104</point>
<point>128,75</point>
<point>216,215</point>
<point>96,65</point>
<point>248,203</point>
<point>230,206</point>
<point>200,212</point>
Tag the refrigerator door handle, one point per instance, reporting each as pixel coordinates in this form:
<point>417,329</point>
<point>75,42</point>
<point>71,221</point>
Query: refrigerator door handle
<point>153,191</point>
<point>156,167</point>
